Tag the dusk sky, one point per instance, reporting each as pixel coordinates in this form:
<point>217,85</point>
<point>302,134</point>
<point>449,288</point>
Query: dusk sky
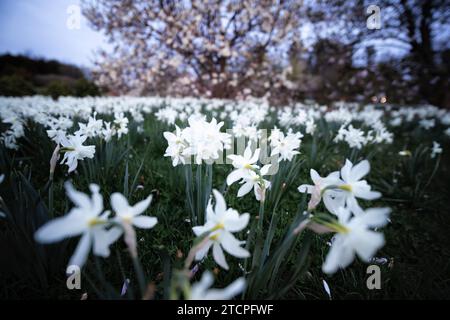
<point>39,28</point>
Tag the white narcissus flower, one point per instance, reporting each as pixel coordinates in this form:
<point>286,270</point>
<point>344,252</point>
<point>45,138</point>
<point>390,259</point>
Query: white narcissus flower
<point>355,237</point>
<point>74,150</point>
<point>132,214</point>
<point>108,132</point>
<point>201,290</point>
<point>332,198</point>
<point>204,139</point>
<point>256,182</point>
<point>86,219</point>
<point>92,128</point>
<point>354,187</point>
<point>121,123</point>
<point>287,146</point>
<point>447,132</point>
<point>243,165</point>
<point>436,149</point>
<point>220,224</point>
<point>176,146</point>
<point>129,216</point>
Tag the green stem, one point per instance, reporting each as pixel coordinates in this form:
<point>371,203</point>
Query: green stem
<point>140,275</point>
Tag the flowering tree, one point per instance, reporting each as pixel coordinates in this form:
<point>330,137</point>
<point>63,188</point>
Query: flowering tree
<point>212,48</point>
<point>408,27</point>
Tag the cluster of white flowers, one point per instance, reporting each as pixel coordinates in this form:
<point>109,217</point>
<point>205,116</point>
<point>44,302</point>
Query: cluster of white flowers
<point>357,138</point>
<point>353,225</point>
<point>202,140</point>
<point>427,116</point>
<point>285,146</point>
<point>251,176</point>
<point>14,132</point>
<point>358,125</point>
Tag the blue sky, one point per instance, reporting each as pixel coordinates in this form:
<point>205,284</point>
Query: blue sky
<point>39,27</point>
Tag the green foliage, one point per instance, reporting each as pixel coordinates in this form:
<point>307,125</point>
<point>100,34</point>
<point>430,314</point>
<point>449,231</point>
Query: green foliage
<point>15,86</point>
<point>283,264</point>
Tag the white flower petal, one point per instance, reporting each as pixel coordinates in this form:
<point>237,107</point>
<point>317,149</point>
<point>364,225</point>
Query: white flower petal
<point>60,228</point>
<point>82,251</point>
<point>360,170</point>
<point>119,203</point>
<point>237,224</point>
<point>219,257</point>
<point>233,246</point>
<point>245,188</point>
<point>144,222</point>
<point>141,206</point>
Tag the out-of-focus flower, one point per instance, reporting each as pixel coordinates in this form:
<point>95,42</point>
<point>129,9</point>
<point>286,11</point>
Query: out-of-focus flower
<point>121,123</point>
<point>108,132</point>
<point>86,219</point>
<point>92,128</point>
<point>355,237</point>
<point>128,216</point>
<point>201,290</point>
<point>437,149</point>
<point>405,153</point>
<point>132,214</point>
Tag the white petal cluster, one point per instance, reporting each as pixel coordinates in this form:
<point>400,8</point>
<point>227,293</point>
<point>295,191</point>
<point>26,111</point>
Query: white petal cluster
<point>249,174</point>
<point>285,147</point>
<point>74,150</point>
<point>202,140</point>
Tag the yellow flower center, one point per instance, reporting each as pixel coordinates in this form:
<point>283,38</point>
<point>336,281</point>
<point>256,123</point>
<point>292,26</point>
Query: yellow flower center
<point>218,227</point>
<point>214,237</point>
<point>127,218</point>
<point>95,221</point>
<point>248,166</point>
<point>346,187</point>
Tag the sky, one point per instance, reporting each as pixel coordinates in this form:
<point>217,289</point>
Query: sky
<point>39,28</point>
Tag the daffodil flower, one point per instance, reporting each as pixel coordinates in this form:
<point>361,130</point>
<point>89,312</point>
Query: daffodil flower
<point>201,290</point>
<point>256,182</point>
<point>243,165</point>
<point>74,150</point>
<point>332,199</point>
<point>437,149</point>
<point>86,219</point>
<point>354,187</point>
<point>354,236</point>
<point>176,146</point>
<point>128,216</point>
<point>247,171</point>
<point>132,214</point>
<point>220,224</point>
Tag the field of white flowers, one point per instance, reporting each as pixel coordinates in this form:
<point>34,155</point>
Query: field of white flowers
<point>185,198</point>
